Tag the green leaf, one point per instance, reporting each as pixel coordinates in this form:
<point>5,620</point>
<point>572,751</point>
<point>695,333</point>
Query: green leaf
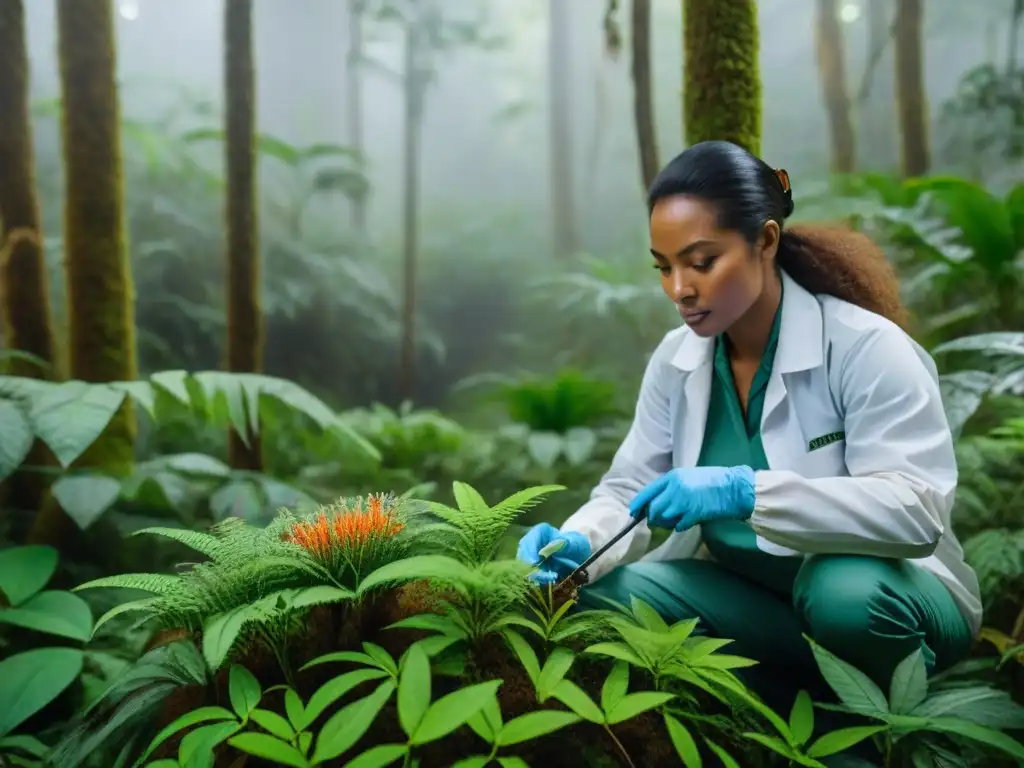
<point>476,761</point>
<point>575,699</point>
<point>86,497</point>
<point>32,679</point>
<point>56,613</point>
<point>683,742</point>
<point>635,704</point>
<point>981,704</point>
<point>413,690</point>
<point>320,595</point>
<point>619,651</point>
<point>615,686</point>
<point>773,743</point>
<point>201,715</point>
<point>487,722</point>
<point>353,657</point>
<point>450,711</point>
<point>30,745</point>
<point>533,725</point>
<point>272,723</point>
<point>555,668</point>
<point>382,658</point>
<point>801,719</point>
<point>295,710</point>
<point>196,748</point>
<point>853,687</point>
<point>18,437</point>
<point>243,690</point>
<point>432,567</point>
<point>269,748</point>
<point>221,631</point>
<point>525,653</point>
<point>378,757</point>
<point>721,754</point>
<point>334,689</point>
<point>512,762</point>
<point>70,416</point>
<point>909,685</point>
<point>348,725</point>
<point>552,548</point>
<point>24,571</point>
<point>841,740</point>
<point>974,732</point>
<point>647,616</point>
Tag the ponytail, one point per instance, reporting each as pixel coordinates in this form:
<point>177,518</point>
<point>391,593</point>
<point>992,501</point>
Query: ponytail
<point>848,265</point>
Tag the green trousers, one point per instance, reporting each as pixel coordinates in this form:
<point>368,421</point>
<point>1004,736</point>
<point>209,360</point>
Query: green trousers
<point>870,612</point>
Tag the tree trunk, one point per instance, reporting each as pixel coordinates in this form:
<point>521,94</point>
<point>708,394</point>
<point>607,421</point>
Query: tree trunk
<point>24,289</point>
<point>245,326</point>
<point>876,93</point>
<point>721,74</point>
<point>563,199</point>
<point>832,72</point>
<point>413,86</point>
<point>643,103</point>
<point>101,312</point>
<point>354,101</point>
<point>911,103</point>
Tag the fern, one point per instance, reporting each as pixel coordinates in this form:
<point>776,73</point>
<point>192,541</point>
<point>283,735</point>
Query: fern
<point>157,583</point>
<point>997,556</point>
<point>203,543</point>
<point>478,528</point>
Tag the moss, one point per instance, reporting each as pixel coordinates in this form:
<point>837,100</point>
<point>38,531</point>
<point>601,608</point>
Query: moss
<point>99,287</point>
<point>721,75</point>
<point>245,323</point>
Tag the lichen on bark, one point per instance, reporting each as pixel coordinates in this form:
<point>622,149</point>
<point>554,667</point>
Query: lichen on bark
<point>721,73</point>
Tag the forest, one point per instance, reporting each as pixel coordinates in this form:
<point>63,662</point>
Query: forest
<point>217,549</point>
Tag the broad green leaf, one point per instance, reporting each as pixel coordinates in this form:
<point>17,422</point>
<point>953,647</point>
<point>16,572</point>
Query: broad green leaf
<point>243,690</point>
<point>476,761</point>
<point>197,746</point>
<point>487,722</point>
<point>615,686</point>
<point>979,733</point>
<point>201,715</point>
<point>981,704</point>
<point>843,739</point>
<point>272,723</point>
<point>269,748</point>
<point>647,616</point>
<point>334,689</point>
<point>70,416</point>
<point>352,657</point>
<point>619,651</point>
<point>221,631</point>
<point>24,571</point>
<point>430,622</point>
<point>348,725</point>
<point>294,708</point>
<point>724,661</point>
<point>18,437</point>
<point>382,658</point>
<point>533,725</point>
<point>30,745</point>
<point>909,684</point>
<point>555,668</point>
<point>86,497</point>
<point>725,757</point>
<point>413,690</point>
<point>53,612</point>
<point>512,762</point>
<point>145,604</point>
<point>801,719</point>
<point>549,549</point>
<point>434,567</point>
<point>525,653</point>
<point>635,704</point>
<point>853,687</point>
<point>378,757</point>
<point>450,711</point>
<point>775,744</point>
<point>577,700</point>
<point>237,498</point>
<point>320,595</point>
<point>32,679</point>
<point>683,742</point>
<point>515,620</point>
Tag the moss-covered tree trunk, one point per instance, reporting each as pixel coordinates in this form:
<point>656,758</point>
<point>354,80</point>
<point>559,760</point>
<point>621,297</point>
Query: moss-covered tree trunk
<point>101,316</point>
<point>25,322</point>
<point>643,99</point>
<point>911,102</point>
<point>242,276</point>
<point>721,74</point>
<point>832,73</point>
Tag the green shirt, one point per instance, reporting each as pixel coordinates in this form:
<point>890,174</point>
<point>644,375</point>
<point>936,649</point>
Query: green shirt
<point>732,439</point>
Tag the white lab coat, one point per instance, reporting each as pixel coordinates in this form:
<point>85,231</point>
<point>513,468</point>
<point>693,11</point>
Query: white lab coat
<point>885,490</point>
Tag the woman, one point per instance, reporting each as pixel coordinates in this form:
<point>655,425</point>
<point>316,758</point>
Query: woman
<point>793,428</point>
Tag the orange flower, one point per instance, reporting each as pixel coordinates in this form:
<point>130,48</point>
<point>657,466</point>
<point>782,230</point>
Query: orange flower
<point>340,526</point>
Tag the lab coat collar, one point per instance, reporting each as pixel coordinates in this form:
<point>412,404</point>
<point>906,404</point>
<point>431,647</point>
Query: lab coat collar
<point>799,336</point>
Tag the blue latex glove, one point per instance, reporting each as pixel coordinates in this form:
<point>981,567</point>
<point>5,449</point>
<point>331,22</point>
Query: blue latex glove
<point>683,498</point>
<point>559,565</point>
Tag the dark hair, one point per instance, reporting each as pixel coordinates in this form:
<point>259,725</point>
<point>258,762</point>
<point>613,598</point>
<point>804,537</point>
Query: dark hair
<point>748,192</point>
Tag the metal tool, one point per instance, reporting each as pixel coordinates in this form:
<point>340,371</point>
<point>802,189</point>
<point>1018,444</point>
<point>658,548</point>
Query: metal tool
<point>611,543</point>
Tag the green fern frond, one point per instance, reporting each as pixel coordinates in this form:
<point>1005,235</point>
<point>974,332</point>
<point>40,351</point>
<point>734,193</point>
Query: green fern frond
<point>520,501</point>
<point>469,499</point>
<point>157,583</point>
<point>201,542</point>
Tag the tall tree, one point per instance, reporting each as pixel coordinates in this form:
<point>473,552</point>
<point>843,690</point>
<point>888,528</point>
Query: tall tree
<point>100,294</point>
<point>23,281</point>
<point>643,100</point>
<point>721,74</point>
<point>564,221</point>
<point>912,104</point>
<point>876,93</point>
<point>832,72</point>
<point>242,275</point>
<point>354,100</point>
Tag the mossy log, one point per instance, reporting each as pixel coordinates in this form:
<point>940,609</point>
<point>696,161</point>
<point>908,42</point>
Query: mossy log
<point>101,313</point>
<point>721,73</point>
<point>242,274</point>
